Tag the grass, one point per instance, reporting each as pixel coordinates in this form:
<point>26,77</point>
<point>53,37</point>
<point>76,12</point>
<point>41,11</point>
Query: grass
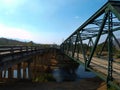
<point>44,78</point>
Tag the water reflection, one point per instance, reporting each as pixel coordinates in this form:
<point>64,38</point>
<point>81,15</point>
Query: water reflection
<point>57,74</point>
<point>14,73</point>
<point>61,75</point>
<point>81,73</point>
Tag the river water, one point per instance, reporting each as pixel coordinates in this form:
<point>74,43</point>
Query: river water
<point>15,73</point>
<point>61,75</point>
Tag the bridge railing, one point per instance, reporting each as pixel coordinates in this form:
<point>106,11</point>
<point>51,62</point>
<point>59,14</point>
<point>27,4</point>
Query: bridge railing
<point>15,49</point>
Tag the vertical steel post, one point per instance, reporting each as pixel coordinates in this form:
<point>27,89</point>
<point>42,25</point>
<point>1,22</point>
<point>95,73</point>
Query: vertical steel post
<point>82,48</point>
<point>110,43</point>
<point>74,50</point>
<point>72,46</point>
<point>63,47</point>
<point>69,46</point>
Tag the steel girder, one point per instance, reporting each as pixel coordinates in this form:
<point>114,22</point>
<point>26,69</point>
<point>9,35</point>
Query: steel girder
<point>104,22</point>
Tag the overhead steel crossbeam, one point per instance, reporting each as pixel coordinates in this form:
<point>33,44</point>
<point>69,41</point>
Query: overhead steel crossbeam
<point>101,11</point>
<point>104,22</point>
<point>99,21</point>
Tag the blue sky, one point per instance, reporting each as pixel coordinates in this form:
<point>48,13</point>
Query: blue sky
<point>44,21</point>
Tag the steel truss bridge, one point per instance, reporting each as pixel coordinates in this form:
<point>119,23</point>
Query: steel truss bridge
<point>83,45</point>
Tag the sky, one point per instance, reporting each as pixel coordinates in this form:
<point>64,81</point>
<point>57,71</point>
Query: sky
<point>44,21</point>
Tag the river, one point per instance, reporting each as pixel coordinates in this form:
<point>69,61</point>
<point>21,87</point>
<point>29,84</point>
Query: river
<point>60,75</point>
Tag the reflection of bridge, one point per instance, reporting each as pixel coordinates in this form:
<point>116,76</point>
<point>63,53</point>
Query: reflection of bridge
<point>82,46</point>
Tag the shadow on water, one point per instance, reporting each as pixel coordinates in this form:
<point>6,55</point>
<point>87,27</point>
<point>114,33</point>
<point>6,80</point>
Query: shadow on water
<point>61,75</point>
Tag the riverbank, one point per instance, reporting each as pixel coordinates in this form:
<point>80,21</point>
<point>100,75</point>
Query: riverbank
<point>84,84</point>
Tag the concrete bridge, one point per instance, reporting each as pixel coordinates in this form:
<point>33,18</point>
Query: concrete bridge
<point>82,46</point>
<point>34,58</point>
<point>18,55</point>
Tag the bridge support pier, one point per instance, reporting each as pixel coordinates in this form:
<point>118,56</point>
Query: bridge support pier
<point>37,58</point>
<point>24,71</point>
<point>19,71</point>
<point>10,73</point>
<point>29,71</point>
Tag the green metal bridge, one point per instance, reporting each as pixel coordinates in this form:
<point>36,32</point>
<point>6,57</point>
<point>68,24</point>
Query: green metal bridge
<point>93,43</point>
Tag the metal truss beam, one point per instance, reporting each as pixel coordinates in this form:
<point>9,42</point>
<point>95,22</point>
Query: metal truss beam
<point>97,39</point>
<point>104,22</point>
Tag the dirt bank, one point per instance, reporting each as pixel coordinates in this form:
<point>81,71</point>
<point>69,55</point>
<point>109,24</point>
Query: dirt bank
<point>85,84</point>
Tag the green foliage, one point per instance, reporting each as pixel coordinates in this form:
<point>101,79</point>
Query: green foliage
<point>105,50</point>
<point>44,78</point>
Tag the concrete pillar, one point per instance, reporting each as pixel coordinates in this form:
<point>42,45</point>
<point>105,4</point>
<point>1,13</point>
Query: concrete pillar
<point>10,73</point>
<point>34,68</point>
<point>24,73</point>
<point>29,71</point>
<point>19,71</point>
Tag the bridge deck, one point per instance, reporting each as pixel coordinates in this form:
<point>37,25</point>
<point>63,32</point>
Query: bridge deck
<point>101,66</point>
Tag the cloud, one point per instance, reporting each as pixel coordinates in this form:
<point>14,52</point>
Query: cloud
<point>27,35</point>
<point>14,33</point>
<point>47,37</point>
